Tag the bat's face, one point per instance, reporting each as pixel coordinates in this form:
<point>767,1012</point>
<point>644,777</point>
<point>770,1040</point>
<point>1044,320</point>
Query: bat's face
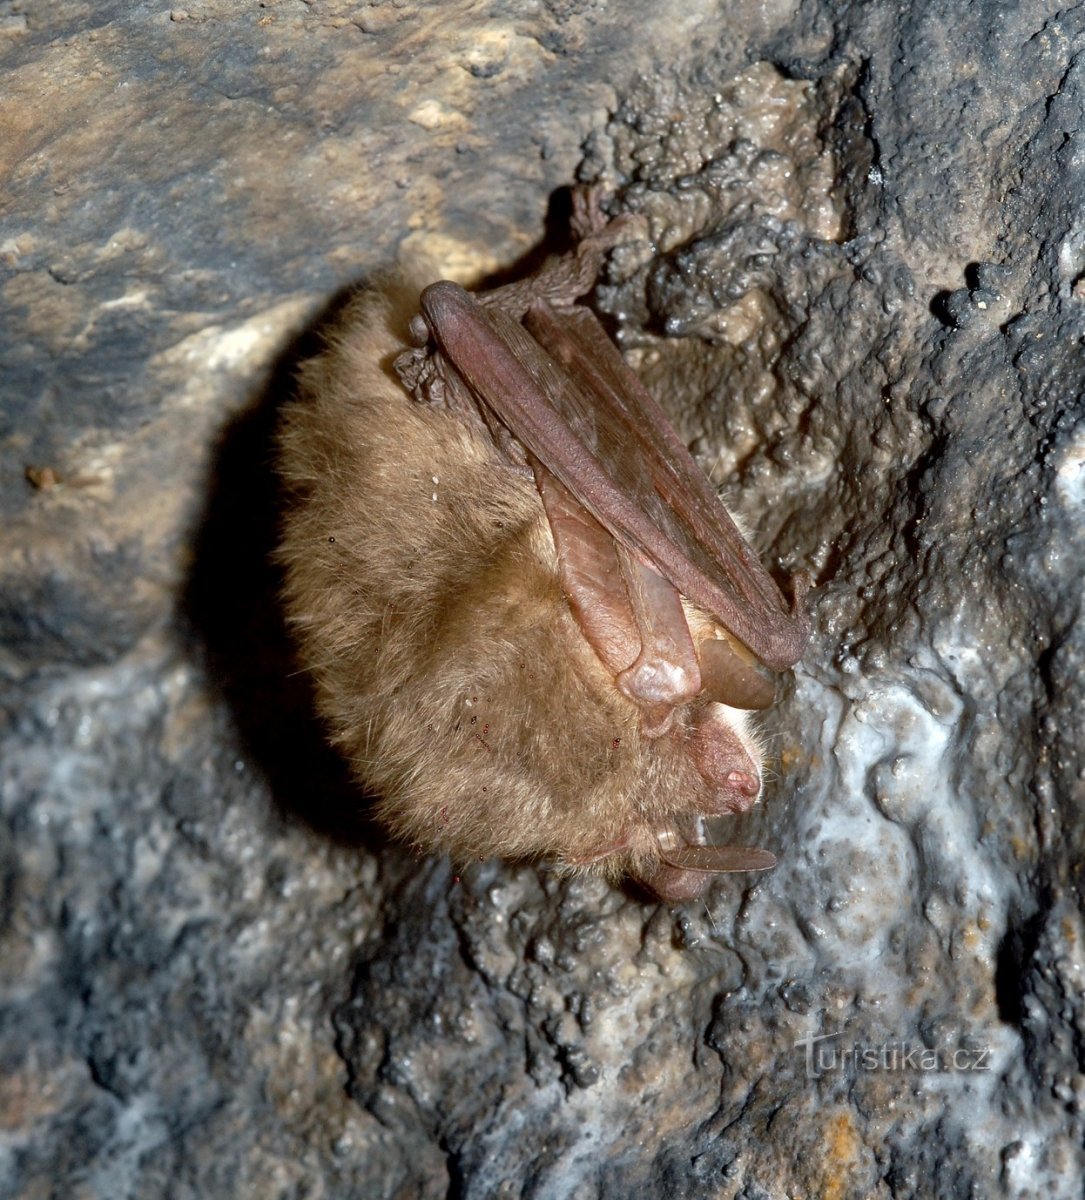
<point>728,761</point>
<point>707,765</point>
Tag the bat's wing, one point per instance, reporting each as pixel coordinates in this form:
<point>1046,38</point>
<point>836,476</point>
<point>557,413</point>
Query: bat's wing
<point>605,446</point>
<point>719,859</point>
<point>681,875</point>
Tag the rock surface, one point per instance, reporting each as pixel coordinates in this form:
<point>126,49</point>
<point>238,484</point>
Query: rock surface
<point>864,302</point>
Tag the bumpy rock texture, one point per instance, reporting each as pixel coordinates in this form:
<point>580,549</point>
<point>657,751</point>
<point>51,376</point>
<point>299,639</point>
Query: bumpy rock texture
<point>864,301</point>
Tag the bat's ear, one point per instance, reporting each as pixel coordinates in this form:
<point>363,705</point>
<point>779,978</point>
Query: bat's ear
<point>733,680</point>
<point>628,613</point>
<point>683,874</point>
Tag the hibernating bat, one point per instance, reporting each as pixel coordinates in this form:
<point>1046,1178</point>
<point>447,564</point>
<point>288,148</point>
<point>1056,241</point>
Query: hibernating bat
<point>534,629</point>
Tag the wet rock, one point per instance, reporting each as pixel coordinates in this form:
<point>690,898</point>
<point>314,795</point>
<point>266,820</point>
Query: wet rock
<point>861,300</point>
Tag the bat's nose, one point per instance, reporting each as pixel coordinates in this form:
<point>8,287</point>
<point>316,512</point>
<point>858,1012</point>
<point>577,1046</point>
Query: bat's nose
<point>744,782</point>
<point>733,800</point>
<point>738,792</point>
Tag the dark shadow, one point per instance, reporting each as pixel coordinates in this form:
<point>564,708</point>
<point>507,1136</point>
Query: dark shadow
<point>557,239</point>
<point>231,603</point>
<point>1016,954</point>
<point>231,606</point>
<point>945,307</point>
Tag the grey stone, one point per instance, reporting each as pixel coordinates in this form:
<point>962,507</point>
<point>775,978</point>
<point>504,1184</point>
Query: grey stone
<point>862,301</point>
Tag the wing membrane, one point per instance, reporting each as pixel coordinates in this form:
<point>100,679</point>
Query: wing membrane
<point>718,859</point>
<point>564,391</point>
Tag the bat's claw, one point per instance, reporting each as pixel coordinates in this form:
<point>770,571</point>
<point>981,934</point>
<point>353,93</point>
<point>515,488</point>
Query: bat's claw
<point>588,217</point>
<point>801,583</point>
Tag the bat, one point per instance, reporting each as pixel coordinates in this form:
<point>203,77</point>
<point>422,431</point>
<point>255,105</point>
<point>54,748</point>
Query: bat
<point>534,630</point>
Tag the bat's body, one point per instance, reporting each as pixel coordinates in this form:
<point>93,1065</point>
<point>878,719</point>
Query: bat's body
<point>509,675</point>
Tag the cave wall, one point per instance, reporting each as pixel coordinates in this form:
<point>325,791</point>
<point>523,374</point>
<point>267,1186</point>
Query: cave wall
<point>862,299</point>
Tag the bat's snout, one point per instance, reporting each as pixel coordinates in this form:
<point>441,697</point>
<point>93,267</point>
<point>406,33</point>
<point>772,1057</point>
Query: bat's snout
<point>727,760</point>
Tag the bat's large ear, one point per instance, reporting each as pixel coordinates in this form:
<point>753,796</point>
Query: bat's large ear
<point>561,387</point>
<point>629,614</point>
<point>685,871</point>
<point>634,519</point>
<point>733,678</point>
<point>659,502</point>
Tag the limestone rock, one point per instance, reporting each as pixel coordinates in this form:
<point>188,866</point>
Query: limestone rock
<point>862,300</point>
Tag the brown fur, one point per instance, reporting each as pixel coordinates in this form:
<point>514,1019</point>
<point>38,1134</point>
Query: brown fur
<point>446,659</point>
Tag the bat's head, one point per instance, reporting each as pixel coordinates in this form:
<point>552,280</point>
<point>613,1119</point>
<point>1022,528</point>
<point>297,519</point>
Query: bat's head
<point>706,766</point>
<point>723,750</point>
